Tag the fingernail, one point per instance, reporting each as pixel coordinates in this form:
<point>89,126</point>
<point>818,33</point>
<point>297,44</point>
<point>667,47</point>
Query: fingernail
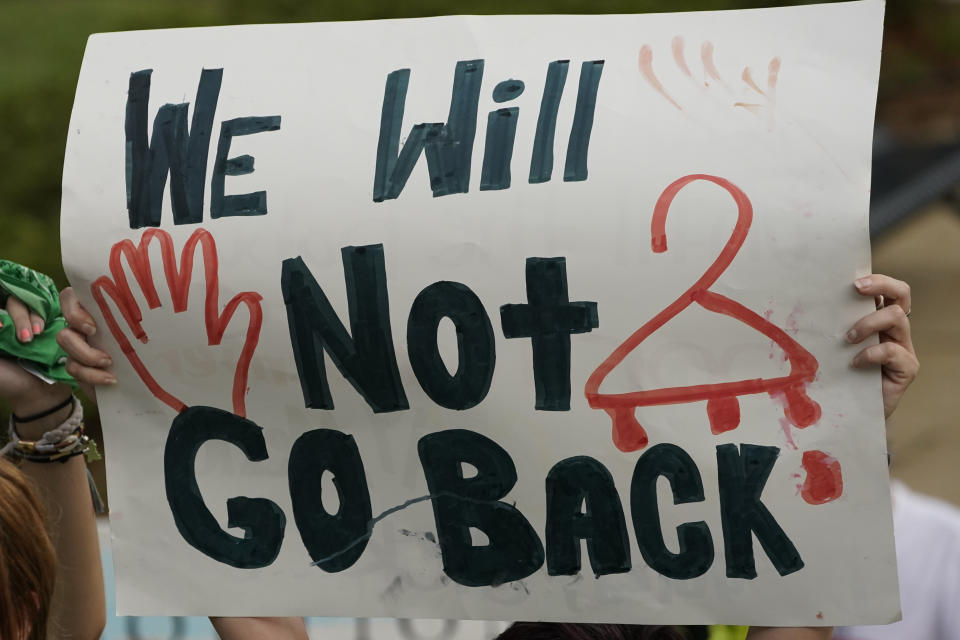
<point>37,329</point>
<point>88,329</point>
<point>862,283</point>
<point>851,335</point>
<point>111,380</point>
<point>105,362</point>
<point>25,335</point>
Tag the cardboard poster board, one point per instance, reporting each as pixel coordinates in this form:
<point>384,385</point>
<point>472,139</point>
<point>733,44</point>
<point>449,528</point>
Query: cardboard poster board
<point>488,317</point>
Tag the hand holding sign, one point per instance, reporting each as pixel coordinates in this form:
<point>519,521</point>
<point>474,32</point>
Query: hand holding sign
<point>895,354</point>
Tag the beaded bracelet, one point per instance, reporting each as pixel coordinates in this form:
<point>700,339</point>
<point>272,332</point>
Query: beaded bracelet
<point>56,445</point>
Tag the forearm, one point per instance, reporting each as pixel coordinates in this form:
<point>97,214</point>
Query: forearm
<point>260,628</point>
<point>78,609</point>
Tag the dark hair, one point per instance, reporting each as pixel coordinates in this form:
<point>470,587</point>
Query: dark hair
<point>577,631</point>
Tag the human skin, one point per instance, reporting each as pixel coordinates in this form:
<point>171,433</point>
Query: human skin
<point>78,607</point>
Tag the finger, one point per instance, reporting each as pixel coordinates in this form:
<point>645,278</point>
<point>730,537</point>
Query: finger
<point>89,375</point>
<point>77,348</point>
<point>892,320</point>
<point>74,313</point>
<point>21,319</point>
<point>36,324</point>
<point>893,291</point>
<point>890,355</point>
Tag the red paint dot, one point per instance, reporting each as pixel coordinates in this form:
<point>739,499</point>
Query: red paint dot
<point>824,481</point>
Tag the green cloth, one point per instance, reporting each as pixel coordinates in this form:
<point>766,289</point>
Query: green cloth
<point>38,292</point>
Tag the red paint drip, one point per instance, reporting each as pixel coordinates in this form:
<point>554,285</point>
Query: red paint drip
<point>724,414</point>
<point>785,425</point>
<point>628,434</point>
<point>800,409</point>
<point>824,481</point>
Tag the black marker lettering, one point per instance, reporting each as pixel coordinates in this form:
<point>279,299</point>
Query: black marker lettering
<point>696,545</point>
<point>365,356</point>
<point>172,149</point>
<point>324,534</point>
<point>742,475</point>
<point>448,147</point>
<point>548,320</point>
<point>460,503</point>
<point>262,521</point>
<point>576,167</point>
<point>247,204</point>
<point>541,162</point>
<point>476,351</point>
<point>570,483</point>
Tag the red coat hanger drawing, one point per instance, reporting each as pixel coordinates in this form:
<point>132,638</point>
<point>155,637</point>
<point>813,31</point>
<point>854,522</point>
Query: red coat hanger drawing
<point>723,406</point>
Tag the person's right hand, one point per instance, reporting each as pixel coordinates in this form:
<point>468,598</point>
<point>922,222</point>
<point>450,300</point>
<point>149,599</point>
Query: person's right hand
<point>894,355</point>
<point>88,365</point>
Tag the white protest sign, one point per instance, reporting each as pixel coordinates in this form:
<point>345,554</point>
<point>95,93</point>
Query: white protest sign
<point>488,317</point>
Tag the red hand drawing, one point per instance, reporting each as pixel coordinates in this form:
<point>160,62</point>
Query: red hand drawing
<point>723,408</point>
<point>178,281</point>
<point>710,75</point>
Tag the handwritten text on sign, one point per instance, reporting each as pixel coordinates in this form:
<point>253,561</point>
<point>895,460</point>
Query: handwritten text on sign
<point>540,317</point>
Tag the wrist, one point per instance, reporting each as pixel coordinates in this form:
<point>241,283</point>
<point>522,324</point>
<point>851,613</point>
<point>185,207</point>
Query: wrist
<point>39,403</point>
<point>40,398</point>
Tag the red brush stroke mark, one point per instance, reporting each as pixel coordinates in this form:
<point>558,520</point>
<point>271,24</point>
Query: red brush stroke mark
<point>677,45</point>
<point>645,62</point>
<point>178,281</point>
<point>800,410</point>
<point>785,426</point>
<point>747,77</point>
<point>773,72</point>
<point>706,57</point>
<point>824,481</point>
<point>749,106</point>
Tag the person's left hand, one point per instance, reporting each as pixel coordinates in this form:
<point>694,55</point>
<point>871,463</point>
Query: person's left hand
<point>895,354</point>
<point>88,365</point>
<point>25,393</point>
